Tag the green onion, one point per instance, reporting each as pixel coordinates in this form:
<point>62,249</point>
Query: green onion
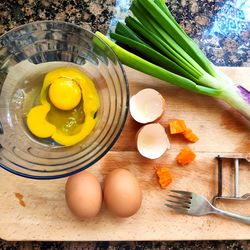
<point>157,45</point>
<point>150,54</point>
<point>142,65</point>
<point>180,38</point>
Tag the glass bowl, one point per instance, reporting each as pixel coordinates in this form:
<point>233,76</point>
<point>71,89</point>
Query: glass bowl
<point>27,53</point>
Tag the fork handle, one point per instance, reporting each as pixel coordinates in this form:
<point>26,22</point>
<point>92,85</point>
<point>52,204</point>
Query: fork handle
<point>240,218</point>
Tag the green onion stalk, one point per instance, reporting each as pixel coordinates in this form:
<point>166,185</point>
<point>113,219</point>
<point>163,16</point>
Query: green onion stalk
<point>152,42</point>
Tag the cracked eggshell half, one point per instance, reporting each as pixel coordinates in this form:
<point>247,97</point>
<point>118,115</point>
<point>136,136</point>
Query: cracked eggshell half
<point>152,141</point>
<point>147,106</point>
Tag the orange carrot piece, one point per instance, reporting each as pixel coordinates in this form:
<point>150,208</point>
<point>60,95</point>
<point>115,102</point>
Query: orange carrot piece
<point>177,126</point>
<point>190,135</point>
<point>164,176</point>
<point>185,156</point>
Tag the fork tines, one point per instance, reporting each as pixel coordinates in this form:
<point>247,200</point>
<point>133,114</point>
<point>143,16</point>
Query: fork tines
<point>180,201</point>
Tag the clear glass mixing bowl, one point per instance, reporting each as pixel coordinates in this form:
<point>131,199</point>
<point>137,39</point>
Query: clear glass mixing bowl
<point>27,53</point>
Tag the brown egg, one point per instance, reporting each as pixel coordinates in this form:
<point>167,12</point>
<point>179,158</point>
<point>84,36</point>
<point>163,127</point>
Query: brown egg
<point>83,195</point>
<point>122,193</point>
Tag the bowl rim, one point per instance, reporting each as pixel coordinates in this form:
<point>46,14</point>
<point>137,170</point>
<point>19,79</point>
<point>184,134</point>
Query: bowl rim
<point>118,133</point>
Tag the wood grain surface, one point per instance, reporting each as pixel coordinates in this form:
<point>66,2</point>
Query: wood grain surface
<point>45,216</point>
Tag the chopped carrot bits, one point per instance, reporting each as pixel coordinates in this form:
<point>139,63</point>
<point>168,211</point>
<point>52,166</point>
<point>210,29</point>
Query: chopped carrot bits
<point>164,176</point>
<point>190,135</point>
<point>185,156</point>
<point>177,126</point>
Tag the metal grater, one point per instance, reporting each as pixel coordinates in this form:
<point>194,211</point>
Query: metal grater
<point>237,158</point>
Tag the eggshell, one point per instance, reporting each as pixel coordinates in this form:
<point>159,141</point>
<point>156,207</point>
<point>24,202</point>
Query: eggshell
<point>147,106</point>
<point>122,193</point>
<point>83,195</point>
<point>152,141</point>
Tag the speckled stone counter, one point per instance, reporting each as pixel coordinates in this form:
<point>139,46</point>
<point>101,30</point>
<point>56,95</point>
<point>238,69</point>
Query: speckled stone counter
<point>92,15</point>
<point>220,27</point>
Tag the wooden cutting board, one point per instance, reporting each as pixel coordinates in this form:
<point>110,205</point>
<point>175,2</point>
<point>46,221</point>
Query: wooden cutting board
<point>220,129</point>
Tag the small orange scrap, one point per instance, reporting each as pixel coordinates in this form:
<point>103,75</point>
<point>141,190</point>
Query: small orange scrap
<point>20,199</point>
<point>185,156</point>
<point>190,135</point>
<point>177,127</point>
<point>164,176</point>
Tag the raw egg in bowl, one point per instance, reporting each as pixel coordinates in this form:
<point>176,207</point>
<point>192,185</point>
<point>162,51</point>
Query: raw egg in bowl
<point>63,99</point>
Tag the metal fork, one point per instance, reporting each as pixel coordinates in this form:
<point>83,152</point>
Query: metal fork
<point>197,205</point>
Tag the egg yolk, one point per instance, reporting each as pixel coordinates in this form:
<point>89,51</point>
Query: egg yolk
<point>65,94</point>
<point>67,110</point>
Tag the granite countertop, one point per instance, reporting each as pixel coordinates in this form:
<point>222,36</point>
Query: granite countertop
<point>220,27</point>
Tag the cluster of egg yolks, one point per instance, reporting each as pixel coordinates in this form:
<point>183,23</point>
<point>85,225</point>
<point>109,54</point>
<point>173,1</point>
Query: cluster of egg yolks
<point>64,93</point>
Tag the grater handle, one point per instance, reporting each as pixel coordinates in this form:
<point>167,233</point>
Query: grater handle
<point>238,217</point>
<point>236,178</point>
